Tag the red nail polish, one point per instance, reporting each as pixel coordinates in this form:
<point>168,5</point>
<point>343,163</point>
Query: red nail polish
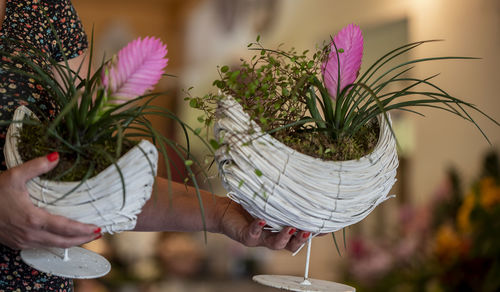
<point>306,234</point>
<point>262,223</point>
<point>53,156</point>
<point>98,236</point>
<point>97,230</point>
<point>292,231</point>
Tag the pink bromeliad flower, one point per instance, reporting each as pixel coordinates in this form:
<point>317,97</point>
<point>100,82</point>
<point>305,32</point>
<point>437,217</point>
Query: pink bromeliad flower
<point>349,43</point>
<point>136,69</point>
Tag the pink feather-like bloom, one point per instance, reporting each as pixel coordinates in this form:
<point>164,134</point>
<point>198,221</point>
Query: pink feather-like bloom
<point>137,69</point>
<point>349,43</point>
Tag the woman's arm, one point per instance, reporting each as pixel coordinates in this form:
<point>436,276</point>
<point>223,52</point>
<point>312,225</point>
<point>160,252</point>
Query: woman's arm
<point>180,211</point>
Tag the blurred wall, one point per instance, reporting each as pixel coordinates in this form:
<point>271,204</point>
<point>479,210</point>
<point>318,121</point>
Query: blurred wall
<point>469,28</point>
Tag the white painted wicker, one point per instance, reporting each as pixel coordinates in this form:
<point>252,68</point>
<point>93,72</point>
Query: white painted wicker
<point>287,188</point>
<point>99,200</point>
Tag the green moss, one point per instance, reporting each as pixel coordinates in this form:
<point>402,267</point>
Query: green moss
<point>322,146</point>
<point>33,143</point>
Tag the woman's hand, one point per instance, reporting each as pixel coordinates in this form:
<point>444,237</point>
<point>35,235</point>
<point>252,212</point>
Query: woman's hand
<point>22,225</point>
<point>237,224</point>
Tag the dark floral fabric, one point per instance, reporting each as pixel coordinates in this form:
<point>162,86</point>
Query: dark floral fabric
<point>34,24</point>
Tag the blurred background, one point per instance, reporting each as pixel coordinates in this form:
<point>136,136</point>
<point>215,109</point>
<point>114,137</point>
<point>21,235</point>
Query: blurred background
<point>420,240</point>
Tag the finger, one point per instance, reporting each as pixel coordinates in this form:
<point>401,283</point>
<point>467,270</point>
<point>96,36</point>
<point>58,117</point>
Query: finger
<point>283,237</point>
<point>256,227</point>
<point>303,236</point>
<point>36,167</point>
<point>44,239</point>
<point>7,240</point>
<point>298,240</point>
<point>63,226</point>
<point>254,231</point>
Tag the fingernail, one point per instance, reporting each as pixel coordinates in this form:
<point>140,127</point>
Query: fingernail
<point>306,234</point>
<point>292,231</point>
<point>98,236</point>
<point>262,223</point>
<point>97,230</point>
<point>53,156</point>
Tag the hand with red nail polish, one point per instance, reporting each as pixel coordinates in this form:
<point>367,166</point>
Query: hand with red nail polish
<point>237,224</point>
<point>22,225</point>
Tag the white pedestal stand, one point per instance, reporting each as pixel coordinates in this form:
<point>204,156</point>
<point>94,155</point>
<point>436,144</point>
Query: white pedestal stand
<point>292,283</point>
<point>74,262</point>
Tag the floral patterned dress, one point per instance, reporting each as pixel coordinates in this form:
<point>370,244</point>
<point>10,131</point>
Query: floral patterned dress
<point>28,22</point>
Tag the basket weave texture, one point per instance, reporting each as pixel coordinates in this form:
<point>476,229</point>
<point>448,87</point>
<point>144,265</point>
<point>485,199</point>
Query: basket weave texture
<point>287,188</point>
<point>100,199</point>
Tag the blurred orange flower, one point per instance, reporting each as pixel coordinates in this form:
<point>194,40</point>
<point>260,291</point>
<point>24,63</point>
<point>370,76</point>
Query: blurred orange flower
<point>489,193</point>
<point>448,243</point>
<point>463,215</point>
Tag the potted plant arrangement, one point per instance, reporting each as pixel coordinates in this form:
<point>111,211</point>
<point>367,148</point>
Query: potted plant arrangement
<point>304,140</point>
<point>105,175</point>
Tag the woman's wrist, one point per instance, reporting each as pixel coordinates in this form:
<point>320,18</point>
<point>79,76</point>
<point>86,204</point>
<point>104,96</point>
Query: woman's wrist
<point>222,205</point>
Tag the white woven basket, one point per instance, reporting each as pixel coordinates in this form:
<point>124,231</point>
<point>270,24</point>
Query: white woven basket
<point>99,200</point>
<point>287,188</point>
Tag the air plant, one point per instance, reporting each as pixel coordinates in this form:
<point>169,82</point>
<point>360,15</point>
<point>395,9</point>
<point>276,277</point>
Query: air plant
<point>101,114</point>
<point>359,100</point>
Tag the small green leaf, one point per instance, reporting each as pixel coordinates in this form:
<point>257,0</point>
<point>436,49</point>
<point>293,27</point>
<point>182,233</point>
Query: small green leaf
<point>188,162</point>
<point>220,84</point>
<point>258,38</point>
<point>215,145</point>
<point>194,103</point>
<point>258,172</point>
<point>224,69</point>
<point>240,184</point>
<point>233,75</point>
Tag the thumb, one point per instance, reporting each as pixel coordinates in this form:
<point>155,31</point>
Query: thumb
<point>255,230</point>
<point>37,166</point>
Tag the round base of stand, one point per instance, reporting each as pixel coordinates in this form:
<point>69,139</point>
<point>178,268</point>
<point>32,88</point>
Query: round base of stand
<point>292,283</point>
<point>79,263</point>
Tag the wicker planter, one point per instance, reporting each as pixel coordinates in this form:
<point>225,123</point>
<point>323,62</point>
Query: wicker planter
<point>100,199</point>
<point>287,188</point>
